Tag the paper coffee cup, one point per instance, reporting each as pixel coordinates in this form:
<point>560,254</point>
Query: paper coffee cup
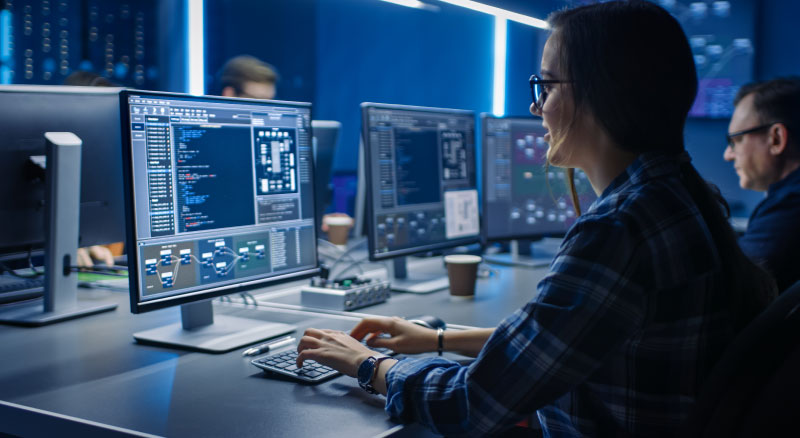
<point>462,270</point>
<point>338,229</point>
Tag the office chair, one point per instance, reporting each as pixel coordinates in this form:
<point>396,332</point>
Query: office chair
<point>754,390</point>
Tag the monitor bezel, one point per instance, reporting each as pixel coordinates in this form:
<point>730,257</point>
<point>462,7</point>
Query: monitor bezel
<point>485,237</point>
<point>140,306</point>
<point>370,219</point>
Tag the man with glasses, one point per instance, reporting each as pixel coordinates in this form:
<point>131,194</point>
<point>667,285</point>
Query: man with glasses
<point>764,145</point>
<point>247,76</point>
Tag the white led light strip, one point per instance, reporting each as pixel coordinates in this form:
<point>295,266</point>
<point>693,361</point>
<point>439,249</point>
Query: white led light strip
<point>195,64</point>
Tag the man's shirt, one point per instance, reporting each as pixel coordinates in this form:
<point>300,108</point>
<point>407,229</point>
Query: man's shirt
<point>772,238</point>
<point>619,338</point>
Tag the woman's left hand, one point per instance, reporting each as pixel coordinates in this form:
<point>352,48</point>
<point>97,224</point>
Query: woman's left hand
<point>333,348</point>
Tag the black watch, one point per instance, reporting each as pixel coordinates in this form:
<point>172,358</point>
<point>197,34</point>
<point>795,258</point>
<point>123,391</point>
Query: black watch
<point>366,372</point>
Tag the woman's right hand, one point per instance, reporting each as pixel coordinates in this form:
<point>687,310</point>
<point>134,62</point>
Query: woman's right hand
<point>406,337</point>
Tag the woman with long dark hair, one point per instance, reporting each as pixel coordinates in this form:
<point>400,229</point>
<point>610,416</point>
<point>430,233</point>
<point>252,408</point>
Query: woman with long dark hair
<point>647,289</point>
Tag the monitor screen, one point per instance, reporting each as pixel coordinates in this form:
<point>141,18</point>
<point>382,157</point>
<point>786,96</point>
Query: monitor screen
<point>422,190</point>
<point>27,112</point>
<point>220,195</point>
<point>522,198</point>
<point>326,136</point>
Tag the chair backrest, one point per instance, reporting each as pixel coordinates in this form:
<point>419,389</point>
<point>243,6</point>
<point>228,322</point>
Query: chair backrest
<point>753,388</point>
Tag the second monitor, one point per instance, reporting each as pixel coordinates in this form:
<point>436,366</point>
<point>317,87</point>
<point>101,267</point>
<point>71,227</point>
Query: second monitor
<point>421,185</point>
<point>523,198</point>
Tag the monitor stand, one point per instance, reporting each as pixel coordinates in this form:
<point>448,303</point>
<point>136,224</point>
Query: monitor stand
<point>62,202</point>
<point>200,330</point>
<point>521,255</point>
<point>419,283</point>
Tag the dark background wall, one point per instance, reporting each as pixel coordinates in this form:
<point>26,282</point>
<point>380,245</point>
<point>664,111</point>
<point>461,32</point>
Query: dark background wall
<point>406,56</point>
<point>339,53</point>
<point>282,33</point>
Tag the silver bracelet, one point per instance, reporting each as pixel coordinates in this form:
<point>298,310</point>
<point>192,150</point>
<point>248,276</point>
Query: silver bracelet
<point>440,335</point>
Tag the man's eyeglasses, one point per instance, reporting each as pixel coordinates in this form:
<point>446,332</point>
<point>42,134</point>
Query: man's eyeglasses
<point>733,135</point>
<point>539,90</point>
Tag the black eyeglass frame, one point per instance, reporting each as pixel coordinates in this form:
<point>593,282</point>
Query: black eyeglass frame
<point>540,97</point>
<point>732,135</point>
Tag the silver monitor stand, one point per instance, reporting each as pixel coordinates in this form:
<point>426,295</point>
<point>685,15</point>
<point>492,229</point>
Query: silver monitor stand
<point>62,212</point>
<point>419,283</point>
<point>521,255</point>
<point>200,330</point>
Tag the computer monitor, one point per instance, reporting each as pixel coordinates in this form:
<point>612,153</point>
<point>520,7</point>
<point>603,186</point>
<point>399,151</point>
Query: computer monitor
<point>326,137</point>
<point>421,188</point>
<point>522,198</point>
<point>220,199</point>
<point>26,113</point>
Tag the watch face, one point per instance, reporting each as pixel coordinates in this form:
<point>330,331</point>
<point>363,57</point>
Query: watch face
<point>365,370</point>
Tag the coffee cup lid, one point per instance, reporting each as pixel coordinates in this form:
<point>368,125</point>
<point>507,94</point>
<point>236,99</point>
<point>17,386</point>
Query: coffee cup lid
<point>465,259</point>
<point>338,220</point>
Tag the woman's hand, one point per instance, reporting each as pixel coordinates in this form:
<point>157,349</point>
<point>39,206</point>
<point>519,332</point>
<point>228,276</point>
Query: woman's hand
<point>333,348</point>
<point>406,337</point>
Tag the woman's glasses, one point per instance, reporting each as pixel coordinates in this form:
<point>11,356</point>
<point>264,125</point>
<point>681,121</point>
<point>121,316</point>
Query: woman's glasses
<point>539,90</point>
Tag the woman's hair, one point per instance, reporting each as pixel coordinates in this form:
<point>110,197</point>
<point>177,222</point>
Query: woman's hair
<point>630,65</point>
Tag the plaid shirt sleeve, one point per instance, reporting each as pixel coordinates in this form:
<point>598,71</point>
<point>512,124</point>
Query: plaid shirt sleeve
<point>587,306</point>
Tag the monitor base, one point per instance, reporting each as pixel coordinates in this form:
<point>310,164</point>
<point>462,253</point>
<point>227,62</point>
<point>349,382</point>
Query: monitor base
<point>419,283</point>
<point>32,314</point>
<point>225,334</point>
<point>518,260</point>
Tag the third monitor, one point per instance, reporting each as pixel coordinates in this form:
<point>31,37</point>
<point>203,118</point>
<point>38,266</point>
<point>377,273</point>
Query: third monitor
<point>523,198</point>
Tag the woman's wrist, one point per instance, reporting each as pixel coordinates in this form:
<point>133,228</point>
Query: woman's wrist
<point>379,383</point>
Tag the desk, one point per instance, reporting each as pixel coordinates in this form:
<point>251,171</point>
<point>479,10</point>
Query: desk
<point>86,377</point>
<point>496,297</point>
<point>91,369</point>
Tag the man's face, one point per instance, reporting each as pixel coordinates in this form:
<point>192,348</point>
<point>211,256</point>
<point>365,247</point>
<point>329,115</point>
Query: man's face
<point>258,90</point>
<point>750,152</point>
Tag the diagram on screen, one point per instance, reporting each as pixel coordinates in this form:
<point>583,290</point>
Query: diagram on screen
<point>721,37</point>
<point>186,264</point>
<point>276,161</point>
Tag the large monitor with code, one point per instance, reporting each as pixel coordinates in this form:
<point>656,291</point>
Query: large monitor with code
<point>421,181</point>
<point>220,198</point>
<point>522,197</point>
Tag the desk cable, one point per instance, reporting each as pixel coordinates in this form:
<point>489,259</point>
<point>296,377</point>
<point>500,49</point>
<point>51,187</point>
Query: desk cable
<point>344,256</point>
<point>13,272</point>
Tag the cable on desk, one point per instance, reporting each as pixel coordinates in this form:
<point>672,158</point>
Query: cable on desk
<point>356,263</point>
<point>246,295</point>
<point>340,255</point>
<point>17,274</point>
<point>30,262</point>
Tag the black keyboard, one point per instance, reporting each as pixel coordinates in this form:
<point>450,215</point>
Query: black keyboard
<point>285,364</point>
<point>16,289</point>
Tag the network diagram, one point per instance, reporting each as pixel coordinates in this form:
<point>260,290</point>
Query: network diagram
<point>208,259</point>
